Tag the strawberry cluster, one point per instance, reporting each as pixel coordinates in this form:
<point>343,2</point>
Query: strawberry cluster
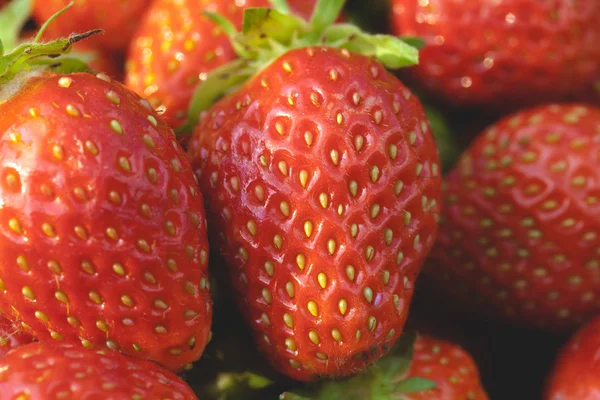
<point>321,163</point>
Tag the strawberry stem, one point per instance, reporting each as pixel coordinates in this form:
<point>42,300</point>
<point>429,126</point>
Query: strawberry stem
<point>280,5</point>
<point>50,20</point>
<point>269,33</point>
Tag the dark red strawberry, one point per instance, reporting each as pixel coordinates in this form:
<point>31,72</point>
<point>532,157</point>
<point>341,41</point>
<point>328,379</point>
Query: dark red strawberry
<point>322,179</point>
<point>117,18</point>
<point>176,45</point>
<point>501,54</point>
<point>11,336</point>
<point>576,373</point>
<point>43,371</point>
<point>103,236</point>
<point>520,224</point>
<point>433,369</point>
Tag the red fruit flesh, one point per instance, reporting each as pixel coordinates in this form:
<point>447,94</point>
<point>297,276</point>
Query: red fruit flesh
<point>176,46</point>
<point>117,18</point>
<point>43,371</point>
<point>323,182</point>
<point>521,217</point>
<point>576,373</point>
<point>102,230</point>
<point>483,53</point>
<point>449,366</point>
<point>11,336</point>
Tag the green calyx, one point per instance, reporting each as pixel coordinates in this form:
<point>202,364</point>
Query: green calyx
<point>268,33</point>
<point>387,379</point>
<point>35,55</point>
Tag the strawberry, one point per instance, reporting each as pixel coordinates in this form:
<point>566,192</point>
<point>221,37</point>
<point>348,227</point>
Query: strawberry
<point>575,375</point>
<point>117,18</point>
<point>176,45</point>
<point>323,180</point>
<point>11,336</point>
<point>103,236</point>
<point>432,369</point>
<point>500,54</point>
<point>521,218</point>
<point>41,371</point>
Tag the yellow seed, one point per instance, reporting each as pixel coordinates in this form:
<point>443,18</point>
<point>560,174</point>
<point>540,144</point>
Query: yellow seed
<point>266,294</point>
<point>41,316</point>
<point>335,157</point>
<point>28,293</point>
<point>393,151</point>
<point>116,127</point>
<point>285,208</point>
<point>353,186</point>
<point>336,334</point>
<point>158,303</point>
<point>22,263</point>
<point>88,267</point>
<point>303,177</point>
<point>252,228</point>
<point>102,325</point>
<point>301,261</point>
<point>308,228</point>
<point>331,246</point>
<point>58,152</point>
<point>389,236</point>
<point>314,336</point>
<point>359,141</point>
<point>152,175</point>
<point>72,110</point>
<point>65,82</point>
<point>118,269</point>
<point>148,141</point>
<point>283,168</point>
<point>112,233</point>
<point>61,296</point>
<point>313,308</point>
<point>374,173</point>
<point>369,253</point>
<point>91,147</point>
<point>14,225</point>
<point>278,241</point>
<point>124,164</point>
<point>343,306</point>
<point>290,344</point>
<point>372,323</point>
<point>289,288</point>
<point>324,200</point>
<point>354,230</point>
<point>260,193</point>
<point>143,245</point>
<point>386,276</point>
<point>368,293</point>
<point>322,279</point>
<point>350,272</point>
<point>288,320</point>
<point>95,297</point>
<point>375,208</point>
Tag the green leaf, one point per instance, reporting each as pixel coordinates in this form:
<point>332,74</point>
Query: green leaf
<point>223,22</point>
<point>256,381</point>
<point>414,384</point>
<point>326,12</point>
<point>12,19</point>
<point>390,51</point>
<point>292,396</point>
<point>218,83</point>
<point>280,5</point>
<point>413,41</point>
<point>262,26</point>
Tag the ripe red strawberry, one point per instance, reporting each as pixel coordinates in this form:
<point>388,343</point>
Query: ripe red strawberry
<point>117,18</point>
<point>433,369</point>
<point>103,236</point>
<point>576,373</point>
<point>176,45</point>
<point>43,371</point>
<point>11,336</point>
<point>323,181</point>
<point>451,368</point>
<point>521,218</point>
<point>483,53</point>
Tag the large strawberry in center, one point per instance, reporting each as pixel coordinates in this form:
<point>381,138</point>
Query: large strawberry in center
<point>323,182</point>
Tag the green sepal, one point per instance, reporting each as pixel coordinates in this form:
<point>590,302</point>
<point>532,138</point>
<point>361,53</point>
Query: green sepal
<point>445,142</point>
<point>280,5</point>
<point>269,33</point>
<point>385,380</point>
<point>392,52</point>
<point>414,385</point>
<point>217,84</point>
<point>13,17</point>
<point>414,41</point>
<point>27,55</point>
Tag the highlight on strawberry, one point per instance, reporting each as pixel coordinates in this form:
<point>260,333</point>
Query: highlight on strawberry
<point>103,233</point>
<point>322,182</point>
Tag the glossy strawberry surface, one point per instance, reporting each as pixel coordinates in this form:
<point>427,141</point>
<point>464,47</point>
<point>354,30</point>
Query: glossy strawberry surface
<point>44,371</point>
<point>322,182</point>
<point>521,218</point>
<point>117,18</point>
<point>102,230</point>
<point>11,336</point>
<point>501,54</point>
<point>176,46</point>
<point>451,368</point>
<point>576,373</point>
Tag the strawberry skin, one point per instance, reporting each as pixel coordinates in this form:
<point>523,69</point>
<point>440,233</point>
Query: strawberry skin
<point>43,371</point>
<point>576,373</point>
<point>103,237</point>
<point>323,183</point>
<point>521,218</point>
<point>11,336</point>
<point>176,46</point>
<point>483,53</point>
<point>117,18</point>
<point>452,369</point>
